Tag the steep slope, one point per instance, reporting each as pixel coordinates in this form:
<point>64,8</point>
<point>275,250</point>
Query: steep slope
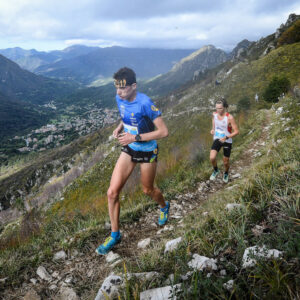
<point>186,70</point>
<point>24,85</point>
<point>17,116</point>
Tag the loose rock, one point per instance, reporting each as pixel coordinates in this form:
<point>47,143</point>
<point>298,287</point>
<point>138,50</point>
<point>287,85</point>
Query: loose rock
<point>164,293</point>
<point>172,245</point>
<point>201,262</point>
<point>144,243</point>
<point>61,255</point>
<point>110,287</point>
<point>43,274</point>
<point>111,257</point>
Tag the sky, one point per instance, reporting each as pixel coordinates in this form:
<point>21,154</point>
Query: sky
<point>173,24</point>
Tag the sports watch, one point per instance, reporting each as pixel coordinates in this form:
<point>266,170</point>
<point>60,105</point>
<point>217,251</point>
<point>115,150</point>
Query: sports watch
<point>138,138</point>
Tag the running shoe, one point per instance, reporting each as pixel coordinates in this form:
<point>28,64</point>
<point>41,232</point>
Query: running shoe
<point>109,243</point>
<point>164,214</point>
<point>225,178</point>
<point>214,175</point>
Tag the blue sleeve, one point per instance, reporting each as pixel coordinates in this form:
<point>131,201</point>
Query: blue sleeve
<point>150,110</point>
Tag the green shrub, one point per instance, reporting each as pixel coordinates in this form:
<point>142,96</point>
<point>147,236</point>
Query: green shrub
<point>276,87</point>
<point>243,104</point>
<point>291,35</point>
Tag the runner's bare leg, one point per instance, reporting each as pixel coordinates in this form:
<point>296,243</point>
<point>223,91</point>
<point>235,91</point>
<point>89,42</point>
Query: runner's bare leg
<point>122,171</point>
<point>148,171</point>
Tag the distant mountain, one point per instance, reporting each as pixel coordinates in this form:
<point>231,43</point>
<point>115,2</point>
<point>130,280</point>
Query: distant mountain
<point>103,62</point>
<point>32,59</point>
<point>24,85</point>
<point>187,69</point>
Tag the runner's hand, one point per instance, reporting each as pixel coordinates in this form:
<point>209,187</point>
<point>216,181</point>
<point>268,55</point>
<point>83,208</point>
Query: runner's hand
<point>126,138</point>
<point>116,132</point>
<point>222,140</point>
<point>212,132</point>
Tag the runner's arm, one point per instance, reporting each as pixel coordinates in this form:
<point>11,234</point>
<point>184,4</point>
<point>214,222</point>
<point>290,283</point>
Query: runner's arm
<point>118,129</point>
<point>160,132</point>
<point>213,127</point>
<point>235,130</point>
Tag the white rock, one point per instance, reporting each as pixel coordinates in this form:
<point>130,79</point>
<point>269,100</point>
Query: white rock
<point>208,275</point>
<point>229,285</point>
<point>232,187</point>
<point>61,255</point>
<point>52,287</point>
<point>69,279</point>
<point>167,228</point>
<point>279,110</point>
<point>111,257</point>
<point>172,245</point>
<point>115,263</point>
<point>107,225</point>
<point>67,293</point>
<point>251,253</point>
<point>144,243</point>
<point>201,262</point>
<point>205,213</point>
<point>110,287</point>
<point>232,206</point>
<point>33,280</point>
<point>143,276</point>
<point>164,293</point>
<point>43,274</point>
<point>186,276</point>
<point>223,273</point>
<point>237,175</point>
<point>3,280</point>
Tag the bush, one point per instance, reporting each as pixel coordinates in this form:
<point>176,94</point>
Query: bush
<point>291,35</point>
<point>243,104</point>
<point>276,87</point>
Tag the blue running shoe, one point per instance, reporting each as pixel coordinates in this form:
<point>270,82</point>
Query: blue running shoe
<point>164,214</point>
<point>225,178</point>
<point>214,175</point>
<point>109,243</point>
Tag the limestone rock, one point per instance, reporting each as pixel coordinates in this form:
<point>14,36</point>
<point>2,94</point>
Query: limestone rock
<point>237,175</point>
<point>144,243</point>
<point>43,274</point>
<point>111,257</point>
<point>164,293</point>
<point>228,285</point>
<point>172,245</point>
<point>201,262</point>
<point>145,276</point>
<point>232,206</point>
<point>110,287</point>
<point>251,253</point>
<point>61,255</point>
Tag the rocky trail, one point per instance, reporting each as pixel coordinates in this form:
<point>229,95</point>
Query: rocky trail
<point>72,274</point>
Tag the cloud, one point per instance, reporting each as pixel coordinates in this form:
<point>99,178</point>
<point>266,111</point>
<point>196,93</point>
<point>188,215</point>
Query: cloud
<point>140,23</point>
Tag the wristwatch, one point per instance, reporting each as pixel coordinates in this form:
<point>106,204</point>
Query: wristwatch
<point>138,138</point>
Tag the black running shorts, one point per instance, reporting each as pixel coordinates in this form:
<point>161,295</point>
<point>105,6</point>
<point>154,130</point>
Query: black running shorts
<point>141,156</point>
<point>217,145</point>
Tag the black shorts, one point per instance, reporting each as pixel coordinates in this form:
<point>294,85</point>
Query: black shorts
<point>217,145</point>
<point>141,156</point>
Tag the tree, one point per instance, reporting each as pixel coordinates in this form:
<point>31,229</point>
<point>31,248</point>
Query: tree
<point>243,104</point>
<point>276,87</point>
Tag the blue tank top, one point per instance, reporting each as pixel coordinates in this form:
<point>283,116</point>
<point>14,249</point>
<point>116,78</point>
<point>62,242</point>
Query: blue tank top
<point>137,117</point>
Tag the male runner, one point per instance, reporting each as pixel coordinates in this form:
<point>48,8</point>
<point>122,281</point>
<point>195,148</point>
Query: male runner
<point>142,124</point>
<point>224,129</point>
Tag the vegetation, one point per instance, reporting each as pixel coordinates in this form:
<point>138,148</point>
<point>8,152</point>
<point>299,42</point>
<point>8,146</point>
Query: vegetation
<point>291,35</point>
<point>276,88</point>
<point>243,104</point>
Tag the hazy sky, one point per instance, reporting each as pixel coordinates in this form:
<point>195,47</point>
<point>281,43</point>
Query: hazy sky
<point>56,24</point>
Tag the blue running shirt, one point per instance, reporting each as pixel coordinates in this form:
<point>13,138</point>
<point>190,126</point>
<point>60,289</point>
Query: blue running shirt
<point>137,117</point>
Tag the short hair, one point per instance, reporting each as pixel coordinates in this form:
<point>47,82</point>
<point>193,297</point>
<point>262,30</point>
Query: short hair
<point>127,74</point>
<point>223,102</point>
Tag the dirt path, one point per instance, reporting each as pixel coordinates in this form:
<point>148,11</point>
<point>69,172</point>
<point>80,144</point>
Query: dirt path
<point>86,271</point>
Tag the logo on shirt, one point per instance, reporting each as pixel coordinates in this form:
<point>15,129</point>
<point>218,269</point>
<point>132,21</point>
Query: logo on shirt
<point>154,108</point>
<point>132,114</point>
